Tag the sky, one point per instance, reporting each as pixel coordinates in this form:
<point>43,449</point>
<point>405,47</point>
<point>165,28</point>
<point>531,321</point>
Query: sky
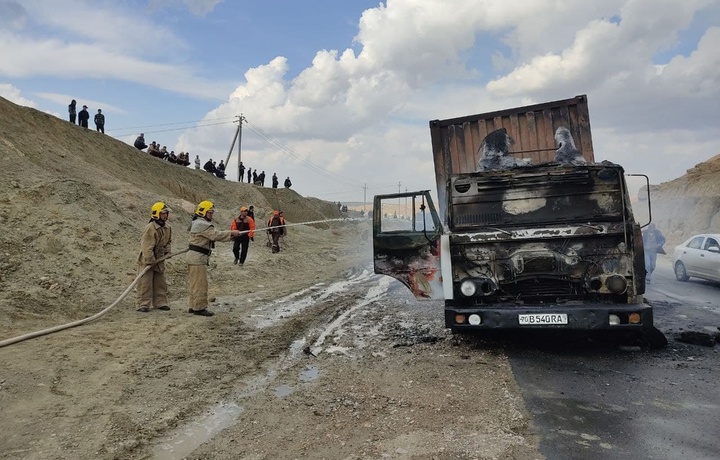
<point>337,94</point>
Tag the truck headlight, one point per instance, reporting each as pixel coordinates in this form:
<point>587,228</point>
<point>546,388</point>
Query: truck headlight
<point>468,288</point>
<point>616,284</point>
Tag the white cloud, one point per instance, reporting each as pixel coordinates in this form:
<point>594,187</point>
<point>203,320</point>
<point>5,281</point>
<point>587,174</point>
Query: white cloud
<point>342,111</point>
<point>25,58</point>
<point>602,50</point>
<point>82,41</point>
<point>92,104</point>
<point>12,94</point>
<point>198,7</point>
<point>361,113</point>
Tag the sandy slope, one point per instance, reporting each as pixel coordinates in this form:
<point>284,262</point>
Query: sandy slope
<point>689,204</point>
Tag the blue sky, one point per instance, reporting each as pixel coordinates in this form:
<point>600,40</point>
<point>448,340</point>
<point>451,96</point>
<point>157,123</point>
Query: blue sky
<point>338,94</point>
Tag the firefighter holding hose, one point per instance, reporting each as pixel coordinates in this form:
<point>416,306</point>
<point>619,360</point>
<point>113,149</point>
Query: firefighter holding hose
<point>154,244</point>
<point>203,236</point>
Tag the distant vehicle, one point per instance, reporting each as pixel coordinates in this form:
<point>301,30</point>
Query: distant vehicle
<point>698,257</point>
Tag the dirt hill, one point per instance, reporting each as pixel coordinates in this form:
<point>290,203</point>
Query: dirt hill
<point>75,201</point>
<point>689,204</point>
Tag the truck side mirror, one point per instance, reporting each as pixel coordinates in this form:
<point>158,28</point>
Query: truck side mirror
<point>647,189</point>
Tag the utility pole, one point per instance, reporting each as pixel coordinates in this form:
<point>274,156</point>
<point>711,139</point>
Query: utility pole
<point>406,206</point>
<point>238,138</point>
<point>364,197</point>
<point>398,207</point>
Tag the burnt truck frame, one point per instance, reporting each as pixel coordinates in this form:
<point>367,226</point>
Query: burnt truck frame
<point>544,246</point>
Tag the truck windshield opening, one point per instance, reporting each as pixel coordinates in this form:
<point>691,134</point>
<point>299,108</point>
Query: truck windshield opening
<point>540,195</point>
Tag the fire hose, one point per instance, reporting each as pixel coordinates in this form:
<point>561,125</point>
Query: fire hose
<point>98,315</point>
<point>79,322</point>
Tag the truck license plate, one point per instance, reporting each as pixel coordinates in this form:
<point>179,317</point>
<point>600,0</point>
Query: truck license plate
<point>543,318</point>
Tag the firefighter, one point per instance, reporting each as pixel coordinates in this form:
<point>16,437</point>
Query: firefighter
<point>154,244</point>
<point>276,230</point>
<point>203,236</point>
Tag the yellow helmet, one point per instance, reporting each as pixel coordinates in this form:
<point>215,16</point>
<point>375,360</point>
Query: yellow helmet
<point>203,208</point>
<point>157,208</point>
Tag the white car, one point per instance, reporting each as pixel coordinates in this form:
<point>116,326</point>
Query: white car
<point>699,257</point>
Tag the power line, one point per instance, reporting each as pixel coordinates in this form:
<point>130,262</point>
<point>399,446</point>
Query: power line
<point>171,124</point>
<point>188,127</point>
<point>307,163</point>
<point>376,191</point>
<point>290,152</point>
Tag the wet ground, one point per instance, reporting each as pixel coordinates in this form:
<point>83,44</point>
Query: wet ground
<point>587,397</point>
<point>355,368</point>
<point>376,377</point>
<point>593,400</point>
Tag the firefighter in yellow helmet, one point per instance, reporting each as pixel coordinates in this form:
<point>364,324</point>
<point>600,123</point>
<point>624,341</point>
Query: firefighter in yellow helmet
<point>154,244</point>
<point>203,236</point>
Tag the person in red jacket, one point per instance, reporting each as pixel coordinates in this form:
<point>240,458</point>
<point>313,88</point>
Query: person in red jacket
<point>276,229</point>
<point>246,225</point>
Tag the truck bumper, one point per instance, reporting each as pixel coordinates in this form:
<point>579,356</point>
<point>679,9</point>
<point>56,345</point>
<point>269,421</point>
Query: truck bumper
<point>578,317</point>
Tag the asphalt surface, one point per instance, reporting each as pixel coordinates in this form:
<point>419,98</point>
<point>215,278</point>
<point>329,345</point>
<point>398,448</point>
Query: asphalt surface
<point>594,400</point>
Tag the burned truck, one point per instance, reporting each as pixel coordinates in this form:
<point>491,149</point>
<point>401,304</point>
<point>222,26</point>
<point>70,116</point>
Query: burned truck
<point>530,232</point>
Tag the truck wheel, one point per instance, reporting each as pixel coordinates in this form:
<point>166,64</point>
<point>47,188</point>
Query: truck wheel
<point>654,339</point>
<point>680,272</point>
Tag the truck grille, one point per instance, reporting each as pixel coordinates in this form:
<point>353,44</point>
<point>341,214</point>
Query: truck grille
<point>541,288</point>
<point>541,265</point>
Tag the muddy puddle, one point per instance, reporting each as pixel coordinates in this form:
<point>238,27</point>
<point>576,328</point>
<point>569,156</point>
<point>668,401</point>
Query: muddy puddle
<point>187,438</point>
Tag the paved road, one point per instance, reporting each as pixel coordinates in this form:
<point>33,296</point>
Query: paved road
<point>593,401</point>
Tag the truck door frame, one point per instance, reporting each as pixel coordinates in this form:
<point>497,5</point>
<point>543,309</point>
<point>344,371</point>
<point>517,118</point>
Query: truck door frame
<point>410,255</point>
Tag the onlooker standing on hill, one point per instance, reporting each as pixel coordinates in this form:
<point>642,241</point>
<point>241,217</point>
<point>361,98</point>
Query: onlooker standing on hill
<point>288,184</point>
<point>249,174</point>
<point>197,161</point>
<point>83,117</point>
<point>203,236</point>
<point>275,180</point>
<point>246,225</point>
<point>72,111</point>
<point>140,142</point>
<point>100,121</point>
<point>154,244</point>
<point>241,172</point>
